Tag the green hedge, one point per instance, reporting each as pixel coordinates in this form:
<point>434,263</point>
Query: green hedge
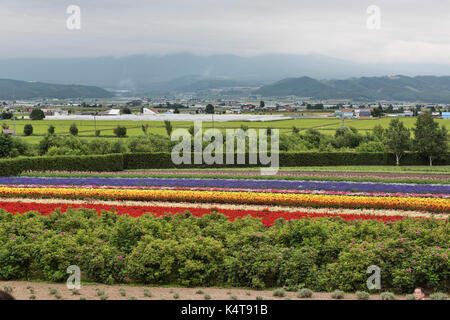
<point>287,159</point>
<point>162,160</point>
<point>111,162</point>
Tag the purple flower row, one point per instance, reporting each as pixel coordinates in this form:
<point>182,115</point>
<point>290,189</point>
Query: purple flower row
<point>234,183</point>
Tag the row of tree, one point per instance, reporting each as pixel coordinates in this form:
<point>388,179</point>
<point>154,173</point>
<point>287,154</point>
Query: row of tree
<point>430,139</point>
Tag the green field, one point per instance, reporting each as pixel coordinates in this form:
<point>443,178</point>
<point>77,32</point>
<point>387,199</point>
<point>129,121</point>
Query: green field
<point>86,128</point>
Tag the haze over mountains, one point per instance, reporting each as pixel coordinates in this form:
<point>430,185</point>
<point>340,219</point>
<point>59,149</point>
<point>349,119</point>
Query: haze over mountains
<point>184,72</point>
<point>143,72</point>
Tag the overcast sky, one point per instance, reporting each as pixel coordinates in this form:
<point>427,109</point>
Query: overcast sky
<point>414,31</point>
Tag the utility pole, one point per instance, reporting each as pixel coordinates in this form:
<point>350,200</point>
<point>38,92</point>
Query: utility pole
<point>14,109</point>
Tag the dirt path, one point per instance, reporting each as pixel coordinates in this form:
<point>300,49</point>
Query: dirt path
<point>42,292</point>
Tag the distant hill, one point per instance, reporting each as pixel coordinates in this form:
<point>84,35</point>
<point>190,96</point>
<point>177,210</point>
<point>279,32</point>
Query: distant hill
<point>144,73</point>
<point>15,89</point>
<point>400,88</point>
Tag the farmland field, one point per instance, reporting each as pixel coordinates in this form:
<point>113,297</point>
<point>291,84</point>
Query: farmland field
<point>87,127</point>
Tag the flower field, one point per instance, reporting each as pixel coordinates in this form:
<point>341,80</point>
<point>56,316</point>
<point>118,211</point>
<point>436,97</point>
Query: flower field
<point>244,232</point>
<point>257,198</point>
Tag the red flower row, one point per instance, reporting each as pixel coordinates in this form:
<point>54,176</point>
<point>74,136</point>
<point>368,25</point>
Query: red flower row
<point>268,217</point>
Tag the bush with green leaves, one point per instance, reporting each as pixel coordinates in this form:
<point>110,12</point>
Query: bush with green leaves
<point>371,146</point>
<point>279,293</point>
<point>150,143</point>
<point>6,145</point>
<point>28,129</point>
<point>362,295</point>
<point>439,296</point>
<point>37,114</point>
<point>6,115</point>
<point>304,293</point>
<point>73,129</point>
<point>387,296</point>
<point>120,131</point>
<point>338,294</point>
<point>211,250</point>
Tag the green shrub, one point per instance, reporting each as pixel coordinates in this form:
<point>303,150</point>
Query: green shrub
<point>51,129</point>
<point>6,145</point>
<point>13,167</point>
<point>150,143</point>
<point>371,146</point>
<point>259,298</point>
<point>147,293</point>
<point>410,297</point>
<point>120,131</point>
<point>73,129</point>
<point>28,130</point>
<point>279,293</point>
<point>176,296</point>
<point>338,294</point>
<point>118,146</point>
<point>183,250</point>
<point>439,296</point>
<point>32,297</point>
<point>207,297</point>
<point>387,296</point>
<point>37,114</point>
<point>6,115</point>
<point>304,293</point>
<point>75,292</point>
<point>362,295</point>
<point>52,290</point>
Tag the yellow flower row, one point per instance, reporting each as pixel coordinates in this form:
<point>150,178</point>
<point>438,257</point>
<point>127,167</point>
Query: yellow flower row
<point>301,200</point>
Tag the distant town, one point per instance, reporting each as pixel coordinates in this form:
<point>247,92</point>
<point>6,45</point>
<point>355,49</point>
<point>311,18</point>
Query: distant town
<point>288,106</point>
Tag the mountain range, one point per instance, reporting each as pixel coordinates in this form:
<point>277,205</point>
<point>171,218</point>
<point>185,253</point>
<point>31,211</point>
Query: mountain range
<point>15,89</point>
<point>395,88</point>
<point>146,73</point>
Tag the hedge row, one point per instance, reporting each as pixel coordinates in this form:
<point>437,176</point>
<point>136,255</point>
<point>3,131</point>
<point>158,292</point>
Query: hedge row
<point>287,159</point>
<point>161,160</point>
<point>111,162</point>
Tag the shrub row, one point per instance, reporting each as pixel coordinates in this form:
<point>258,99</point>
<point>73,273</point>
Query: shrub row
<point>286,159</point>
<point>12,167</point>
<point>160,160</point>
<point>322,254</point>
